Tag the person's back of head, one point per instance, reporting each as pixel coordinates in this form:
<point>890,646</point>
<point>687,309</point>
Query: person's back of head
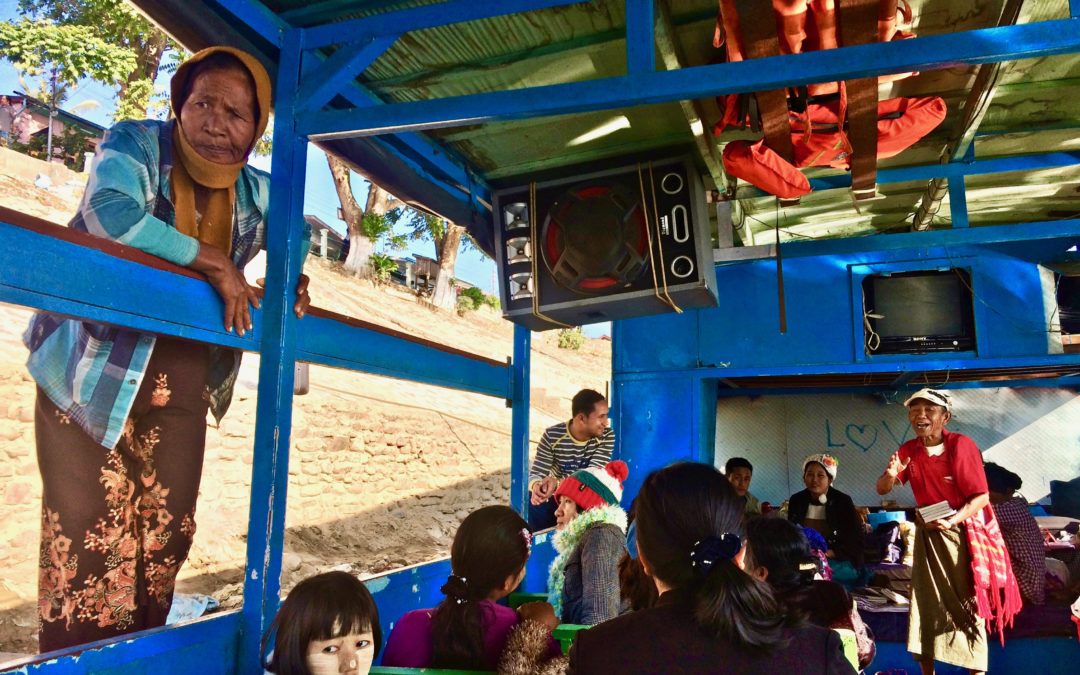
<point>584,402</point>
<point>778,551</point>
<point>488,559</point>
<point>1001,480</point>
<point>323,608</point>
<point>690,527</point>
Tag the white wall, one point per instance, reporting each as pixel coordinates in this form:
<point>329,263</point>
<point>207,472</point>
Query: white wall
<point>1034,431</point>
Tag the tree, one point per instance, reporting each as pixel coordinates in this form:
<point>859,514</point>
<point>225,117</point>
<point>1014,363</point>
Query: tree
<point>448,239</point>
<point>116,22</point>
<point>369,226</point>
<point>62,54</point>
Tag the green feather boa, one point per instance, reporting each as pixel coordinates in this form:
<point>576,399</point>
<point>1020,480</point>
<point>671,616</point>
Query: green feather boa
<point>567,539</point>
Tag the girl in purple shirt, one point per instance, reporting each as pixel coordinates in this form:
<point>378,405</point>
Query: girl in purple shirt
<point>468,630</point>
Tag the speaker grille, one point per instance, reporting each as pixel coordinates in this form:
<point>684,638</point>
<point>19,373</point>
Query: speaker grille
<point>594,238</point>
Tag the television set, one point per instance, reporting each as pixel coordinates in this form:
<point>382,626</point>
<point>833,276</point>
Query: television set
<point>918,312</point>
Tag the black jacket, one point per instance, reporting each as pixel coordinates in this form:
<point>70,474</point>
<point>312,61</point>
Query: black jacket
<point>666,639</point>
<point>845,531</point>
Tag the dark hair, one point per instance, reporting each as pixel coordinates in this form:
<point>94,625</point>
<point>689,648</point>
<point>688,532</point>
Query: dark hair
<point>215,61</point>
<point>488,547</point>
<point>738,463</point>
<point>780,546</point>
<point>634,585</point>
<point>1000,479</point>
<point>685,504</point>
<point>321,607</point>
<point>584,402</point>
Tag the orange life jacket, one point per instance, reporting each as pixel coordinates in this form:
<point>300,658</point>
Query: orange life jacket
<point>818,140</point>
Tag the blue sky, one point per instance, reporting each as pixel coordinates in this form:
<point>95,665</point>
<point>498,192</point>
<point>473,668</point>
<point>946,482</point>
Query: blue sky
<point>320,199</point>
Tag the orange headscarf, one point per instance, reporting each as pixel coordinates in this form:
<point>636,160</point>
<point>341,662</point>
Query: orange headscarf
<point>191,168</point>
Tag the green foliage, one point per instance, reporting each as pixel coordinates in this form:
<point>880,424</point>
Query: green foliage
<point>571,338</point>
<point>117,23</point>
<point>381,267</point>
<point>380,227</point>
<point>136,100</point>
<point>472,299</point>
<point>39,48</point>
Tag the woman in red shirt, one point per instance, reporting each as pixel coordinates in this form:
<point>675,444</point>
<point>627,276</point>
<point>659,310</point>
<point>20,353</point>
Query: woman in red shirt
<point>961,576</point>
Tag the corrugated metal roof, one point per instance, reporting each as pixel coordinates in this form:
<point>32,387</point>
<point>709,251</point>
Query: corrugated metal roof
<point>586,41</point>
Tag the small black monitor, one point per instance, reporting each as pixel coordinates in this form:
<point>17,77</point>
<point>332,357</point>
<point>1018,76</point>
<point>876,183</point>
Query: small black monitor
<point>918,312</point>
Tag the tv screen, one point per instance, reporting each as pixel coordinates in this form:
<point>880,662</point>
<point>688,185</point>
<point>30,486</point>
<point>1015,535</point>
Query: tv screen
<point>919,312</point>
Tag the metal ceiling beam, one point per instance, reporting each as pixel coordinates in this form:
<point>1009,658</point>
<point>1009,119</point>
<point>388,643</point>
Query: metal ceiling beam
<point>672,58</point>
<point>419,18</point>
<point>640,36</point>
<point>436,164</point>
<point>986,235</point>
<point>339,71</point>
<point>315,13</point>
<point>956,170</point>
<point>986,45</point>
<point>921,362</point>
<point>975,108</point>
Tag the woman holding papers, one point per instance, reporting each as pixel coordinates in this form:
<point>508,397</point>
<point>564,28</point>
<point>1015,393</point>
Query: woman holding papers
<point>962,578</point>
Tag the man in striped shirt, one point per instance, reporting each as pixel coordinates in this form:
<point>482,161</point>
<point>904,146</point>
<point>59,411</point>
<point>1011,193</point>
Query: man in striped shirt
<point>585,441</point>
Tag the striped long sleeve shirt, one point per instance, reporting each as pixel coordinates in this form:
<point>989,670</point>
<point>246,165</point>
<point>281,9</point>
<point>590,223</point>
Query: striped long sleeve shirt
<point>559,454</point>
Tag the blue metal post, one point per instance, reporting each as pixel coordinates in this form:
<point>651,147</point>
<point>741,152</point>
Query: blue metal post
<point>640,36</point>
<point>1074,8</point>
<point>519,429</point>
<point>958,202</point>
<point>273,421</point>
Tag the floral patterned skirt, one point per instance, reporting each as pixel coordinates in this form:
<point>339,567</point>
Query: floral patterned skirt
<point>117,524</point>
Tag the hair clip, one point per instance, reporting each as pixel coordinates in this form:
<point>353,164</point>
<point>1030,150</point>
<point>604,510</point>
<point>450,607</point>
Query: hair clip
<point>707,551</point>
<point>527,536</point>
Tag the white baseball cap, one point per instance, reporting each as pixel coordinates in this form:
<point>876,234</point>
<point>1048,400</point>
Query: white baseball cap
<point>935,396</point>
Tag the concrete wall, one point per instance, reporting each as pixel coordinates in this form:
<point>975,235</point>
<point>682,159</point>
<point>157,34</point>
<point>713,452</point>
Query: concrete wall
<point>27,168</point>
<point>1032,431</point>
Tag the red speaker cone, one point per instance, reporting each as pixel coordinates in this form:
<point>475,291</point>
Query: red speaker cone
<point>594,238</point>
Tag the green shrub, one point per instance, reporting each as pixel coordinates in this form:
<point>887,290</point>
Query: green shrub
<point>473,298</point>
<point>465,305</point>
<point>381,267</point>
<point>571,338</point>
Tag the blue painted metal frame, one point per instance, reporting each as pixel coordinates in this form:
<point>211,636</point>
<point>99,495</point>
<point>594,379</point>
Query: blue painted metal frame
<point>273,416</point>
<point>338,71</point>
<point>986,45</point>
<point>988,235</point>
<point>438,164</point>
<point>170,650</point>
<point>955,170</point>
<point>419,18</point>
<point>280,340</point>
<point>918,363</point>
<point>79,280</point>
<point>519,426</point>
<point>333,343</point>
<point>640,36</point>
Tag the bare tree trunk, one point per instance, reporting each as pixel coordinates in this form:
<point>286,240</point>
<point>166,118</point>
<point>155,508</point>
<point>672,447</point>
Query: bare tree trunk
<point>147,59</point>
<point>360,247</point>
<point>448,248</point>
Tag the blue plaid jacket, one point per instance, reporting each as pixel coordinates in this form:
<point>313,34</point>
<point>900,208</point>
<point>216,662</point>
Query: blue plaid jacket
<point>93,371</point>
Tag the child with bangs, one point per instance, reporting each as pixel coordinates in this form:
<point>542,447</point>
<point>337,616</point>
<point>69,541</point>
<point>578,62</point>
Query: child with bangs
<point>328,624</point>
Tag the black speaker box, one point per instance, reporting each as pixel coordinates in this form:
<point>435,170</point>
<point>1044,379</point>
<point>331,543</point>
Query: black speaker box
<point>608,244</point>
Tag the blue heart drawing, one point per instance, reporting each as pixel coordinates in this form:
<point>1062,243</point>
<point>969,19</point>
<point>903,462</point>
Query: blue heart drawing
<point>861,436</point>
